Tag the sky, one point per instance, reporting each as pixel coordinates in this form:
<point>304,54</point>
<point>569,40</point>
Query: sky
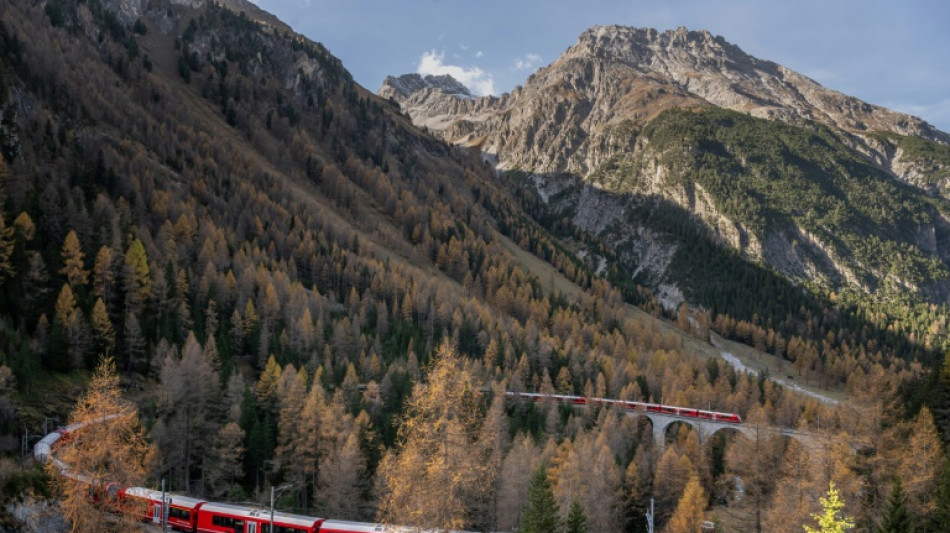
<point>890,53</point>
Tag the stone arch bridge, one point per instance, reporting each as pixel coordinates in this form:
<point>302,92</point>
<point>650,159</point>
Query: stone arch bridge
<point>706,423</point>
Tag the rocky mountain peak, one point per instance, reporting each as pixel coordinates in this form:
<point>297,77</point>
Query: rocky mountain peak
<point>406,85</point>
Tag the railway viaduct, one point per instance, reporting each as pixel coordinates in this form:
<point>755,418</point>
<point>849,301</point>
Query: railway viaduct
<point>706,429</point>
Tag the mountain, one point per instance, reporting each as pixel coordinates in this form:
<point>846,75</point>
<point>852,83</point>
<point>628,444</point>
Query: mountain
<point>408,84</point>
<point>631,121</point>
<point>618,77</point>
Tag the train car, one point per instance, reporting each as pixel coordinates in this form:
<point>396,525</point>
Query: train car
<point>727,417</point>
<point>344,526</point>
<point>145,503</point>
<point>228,518</point>
<point>183,512</point>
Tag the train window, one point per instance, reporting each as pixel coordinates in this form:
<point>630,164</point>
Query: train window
<point>286,529</point>
<point>181,514</point>
<point>223,521</point>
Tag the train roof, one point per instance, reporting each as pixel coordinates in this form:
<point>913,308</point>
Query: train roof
<point>142,492</point>
<point>250,511</point>
<point>356,527</point>
<point>185,501</point>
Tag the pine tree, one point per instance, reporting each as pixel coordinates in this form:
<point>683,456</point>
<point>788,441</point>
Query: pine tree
<point>540,513</point>
<point>829,521</point>
<point>897,517</point>
<point>111,446</point>
<point>576,518</point>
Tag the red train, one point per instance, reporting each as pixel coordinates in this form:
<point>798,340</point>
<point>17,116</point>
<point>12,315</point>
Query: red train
<point>686,412</point>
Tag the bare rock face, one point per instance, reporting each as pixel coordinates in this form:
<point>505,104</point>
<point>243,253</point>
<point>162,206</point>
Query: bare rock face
<point>408,84</point>
<point>573,114</point>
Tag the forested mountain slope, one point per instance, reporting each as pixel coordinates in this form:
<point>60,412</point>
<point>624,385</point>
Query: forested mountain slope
<point>273,255</point>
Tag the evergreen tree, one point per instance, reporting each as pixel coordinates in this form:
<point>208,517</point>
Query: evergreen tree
<point>897,518</point>
<point>940,519</point>
<point>829,521</point>
<point>576,518</point>
<point>540,513</point>
<point>940,403</point>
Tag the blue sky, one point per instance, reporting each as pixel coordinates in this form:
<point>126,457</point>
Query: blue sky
<point>890,53</point>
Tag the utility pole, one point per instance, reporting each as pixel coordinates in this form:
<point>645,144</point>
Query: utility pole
<point>164,508</point>
<point>278,490</point>
<point>758,483</point>
<point>650,517</point>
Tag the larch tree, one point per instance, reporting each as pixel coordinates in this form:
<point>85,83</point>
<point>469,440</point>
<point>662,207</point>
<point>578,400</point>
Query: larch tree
<point>190,398</point>
<point>102,327</point>
<point>137,277</point>
<point>688,516</point>
<point>6,250</point>
<point>513,481</point>
<point>110,445</point>
<point>73,263</point>
<point>918,470</point>
<point>830,521</point>
<point>224,461</point>
<point>591,475</point>
<point>437,473</point>
<point>103,275</point>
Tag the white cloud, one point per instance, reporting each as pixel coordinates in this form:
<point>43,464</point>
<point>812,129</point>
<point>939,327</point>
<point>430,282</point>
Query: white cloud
<point>479,54</point>
<point>528,62</point>
<point>476,79</point>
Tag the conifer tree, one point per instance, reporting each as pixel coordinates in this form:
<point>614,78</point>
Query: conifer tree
<point>110,446</point>
<point>830,521</point>
<point>897,517</point>
<point>540,512</point>
<point>103,277</point>
<point>940,518</point>
<point>576,518</point>
<point>441,430</point>
<point>137,278</point>
<point>102,327</point>
<point>73,263</point>
<point>688,516</point>
<point>6,250</point>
